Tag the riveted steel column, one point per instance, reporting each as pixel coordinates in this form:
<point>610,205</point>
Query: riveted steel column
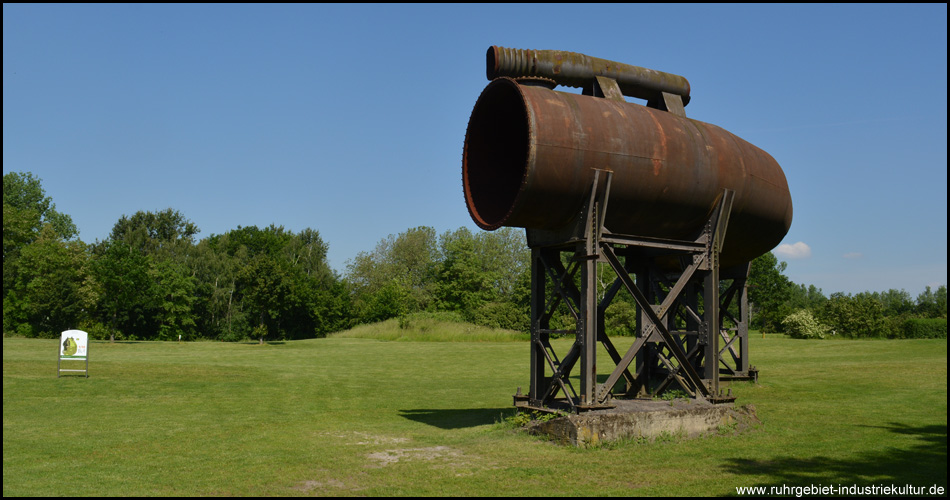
<point>715,235</point>
<point>743,327</point>
<point>587,323</point>
<point>587,332</point>
<point>711,328</point>
<point>538,325</point>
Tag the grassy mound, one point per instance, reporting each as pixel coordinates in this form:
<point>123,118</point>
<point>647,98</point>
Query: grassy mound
<point>431,327</point>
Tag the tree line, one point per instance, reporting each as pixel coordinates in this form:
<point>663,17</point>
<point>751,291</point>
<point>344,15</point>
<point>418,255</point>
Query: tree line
<point>780,306</point>
<point>152,279</point>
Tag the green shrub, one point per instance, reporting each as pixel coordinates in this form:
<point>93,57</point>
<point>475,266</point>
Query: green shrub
<point>620,319</point>
<point>95,329</point>
<point>860,316</point>
<point>894,326</point>
<point>24,330</point>
<point>501,315</point>
<point>925,328</point>
<point>802,324</point>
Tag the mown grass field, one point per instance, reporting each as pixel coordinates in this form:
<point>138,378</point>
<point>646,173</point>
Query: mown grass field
<point>351,416</point>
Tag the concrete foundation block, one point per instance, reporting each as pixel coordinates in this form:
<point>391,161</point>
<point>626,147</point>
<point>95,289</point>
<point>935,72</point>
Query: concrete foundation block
<point>647,419</point>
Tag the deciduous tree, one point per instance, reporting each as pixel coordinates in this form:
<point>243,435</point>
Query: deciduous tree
<point>26,210</point>
<point>769,293</point>
<point>126,290</point>
<point>51,290</point>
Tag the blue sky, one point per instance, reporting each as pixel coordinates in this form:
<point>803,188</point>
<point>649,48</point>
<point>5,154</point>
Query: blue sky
<point>350,119</point>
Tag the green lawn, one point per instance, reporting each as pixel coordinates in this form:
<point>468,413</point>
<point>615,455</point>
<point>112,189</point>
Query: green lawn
<point>358,416</point>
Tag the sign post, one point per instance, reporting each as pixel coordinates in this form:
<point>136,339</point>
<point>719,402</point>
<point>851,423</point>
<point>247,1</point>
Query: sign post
<point>73,346</point>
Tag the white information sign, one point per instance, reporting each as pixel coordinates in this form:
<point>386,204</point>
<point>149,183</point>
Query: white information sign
<point>73,345</point>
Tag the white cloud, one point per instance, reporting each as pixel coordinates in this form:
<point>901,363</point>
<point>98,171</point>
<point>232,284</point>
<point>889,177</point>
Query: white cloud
<point>795,251</point>
<point>853,255</point>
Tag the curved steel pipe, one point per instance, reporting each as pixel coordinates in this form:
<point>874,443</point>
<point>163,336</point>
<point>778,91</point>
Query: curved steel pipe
<point>530,153</point>
<point>572,69</point>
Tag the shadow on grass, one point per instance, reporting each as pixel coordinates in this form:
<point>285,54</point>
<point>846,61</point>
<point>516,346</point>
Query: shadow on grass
<point>921,464</point>
<point>457,419</point>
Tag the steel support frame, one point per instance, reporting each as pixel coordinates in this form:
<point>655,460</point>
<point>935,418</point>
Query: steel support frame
<point>734,328</point>
<point>674,338</point>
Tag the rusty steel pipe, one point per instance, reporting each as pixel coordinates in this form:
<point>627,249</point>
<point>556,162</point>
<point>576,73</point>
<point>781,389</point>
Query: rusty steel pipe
<point>572,69</point>
<point>530,153</point>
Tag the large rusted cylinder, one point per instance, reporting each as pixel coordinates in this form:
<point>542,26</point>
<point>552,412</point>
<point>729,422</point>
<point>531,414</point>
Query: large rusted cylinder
<point>530,155</point>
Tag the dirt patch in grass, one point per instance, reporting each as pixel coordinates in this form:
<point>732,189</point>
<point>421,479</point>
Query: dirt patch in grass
<point>307,486</point>
<point>442,454</point>
<point>365,438</point>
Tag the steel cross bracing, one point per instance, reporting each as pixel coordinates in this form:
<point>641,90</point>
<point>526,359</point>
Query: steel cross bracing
<point>671,282</point>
